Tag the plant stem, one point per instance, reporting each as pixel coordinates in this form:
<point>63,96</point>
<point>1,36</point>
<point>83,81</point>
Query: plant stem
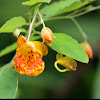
<point>42,22</point>
<point>79,11</point>
<point>87,11</point>
<point>69,16</point>
<point>80,29</point>
<point>52,18</point>
<point>30,28</point>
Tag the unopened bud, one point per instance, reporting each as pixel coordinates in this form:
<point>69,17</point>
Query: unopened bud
<point>16,32</point>
<point>88,49</point>
<point>47,35</point>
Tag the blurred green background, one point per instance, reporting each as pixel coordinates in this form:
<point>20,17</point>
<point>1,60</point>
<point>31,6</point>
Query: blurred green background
<point>83,83</point>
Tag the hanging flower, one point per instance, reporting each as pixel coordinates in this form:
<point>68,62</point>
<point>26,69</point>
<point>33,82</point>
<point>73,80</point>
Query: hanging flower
<point>88,49</point>
<point>67,62</point>
<point>29,57</point>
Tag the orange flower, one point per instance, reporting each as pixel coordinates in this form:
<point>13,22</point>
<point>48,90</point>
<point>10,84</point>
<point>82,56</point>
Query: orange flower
<point>88,49</point>
<point>47,35</point>
<point>67,62</point>
<point>29,57</point>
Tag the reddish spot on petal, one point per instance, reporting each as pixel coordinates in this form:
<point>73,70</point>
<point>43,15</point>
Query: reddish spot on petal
<point>31,51</point>
<point>29,57</point>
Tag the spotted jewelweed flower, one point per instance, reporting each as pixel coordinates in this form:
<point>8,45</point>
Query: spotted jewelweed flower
<point>47,35</point>
<point>67,62</point>
<point>29,57</point>
<point>88,49</point>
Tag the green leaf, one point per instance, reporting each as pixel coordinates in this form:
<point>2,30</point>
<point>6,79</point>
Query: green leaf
<point>54,8</point>
<point>66,45</point>
<point>23,30</point>
<point>13,23</point>
<point>8,83</point>
<point>60,7</point>
<point>33,38</point>
<point>32,2</point>
<point>8,49</point>
<point>74,6</point>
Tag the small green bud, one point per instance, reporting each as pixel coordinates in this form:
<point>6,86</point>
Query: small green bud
<point>16,32</point>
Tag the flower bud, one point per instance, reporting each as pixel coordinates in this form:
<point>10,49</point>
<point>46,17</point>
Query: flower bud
<point>88,49</point>
<point>16,32</point>
<point>47,35</point>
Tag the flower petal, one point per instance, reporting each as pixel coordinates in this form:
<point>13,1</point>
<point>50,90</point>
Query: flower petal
<point>31,68</point>
<point>21,41</point>
<point>67,62</point>
<point>41,48</point>
<point>20,65</point>
<point>38,66</point>
<point>26,52</point>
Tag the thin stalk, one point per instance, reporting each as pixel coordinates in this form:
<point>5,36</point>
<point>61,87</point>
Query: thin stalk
<point>69,16</point>
<point>87,11</point>
<point>80,29</point>
<point>31,25</point>
<point>79,11</point>
<point>52,18</point>
<point>42,22</point>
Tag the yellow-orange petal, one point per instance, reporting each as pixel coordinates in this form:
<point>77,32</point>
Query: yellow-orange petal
<point>37,65</point>
<point>31,68</point>
<point>41,48</point>
<point>21,41</point>
<point>67,62</point>
<point>26,52</point>
<point>47,35</point>
<point>32,45</point>
<point>20,64</point>
<point>88,49</point>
